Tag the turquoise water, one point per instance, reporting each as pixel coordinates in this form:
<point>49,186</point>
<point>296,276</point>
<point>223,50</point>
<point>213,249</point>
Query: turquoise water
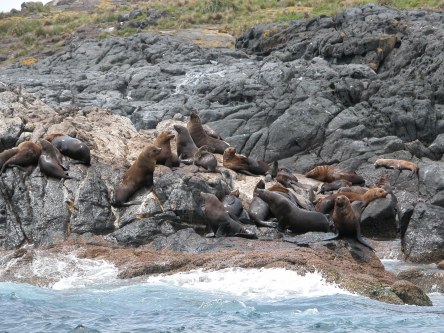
<point>238,300</point>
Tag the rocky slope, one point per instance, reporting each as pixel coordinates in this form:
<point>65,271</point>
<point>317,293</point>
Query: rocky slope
<point>341,90</point>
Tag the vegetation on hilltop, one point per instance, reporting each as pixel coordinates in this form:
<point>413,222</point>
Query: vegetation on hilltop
<point>39,30</point>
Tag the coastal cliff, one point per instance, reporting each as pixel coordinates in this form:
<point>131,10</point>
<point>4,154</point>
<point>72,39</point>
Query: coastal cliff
<point>343,90</point>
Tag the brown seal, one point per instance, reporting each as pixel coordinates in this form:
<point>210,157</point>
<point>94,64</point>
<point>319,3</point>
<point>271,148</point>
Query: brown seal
<point>326,204</point>
<point>328,173</point>
<point>220,221</point>
<point>138,175</point>
<point>292,217</point>
<point>49,162</point>
<point>259,210</point>
<point>71,147</point>
<point>186,148</point>
<point>7,154</point>
<point>347,219</point>
<point>335,185</point>
<point>28,154</point>
<point>166,156</point>
<point>397,164</point>
<point>205,159</point>
<point>200,136</point>
<point>244,164</point>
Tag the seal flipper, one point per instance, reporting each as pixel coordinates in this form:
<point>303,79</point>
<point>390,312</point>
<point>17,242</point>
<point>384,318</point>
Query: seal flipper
<point>332,238</point>
<point>266,224</point>
<point>246,234</point>
<point>364,242</point>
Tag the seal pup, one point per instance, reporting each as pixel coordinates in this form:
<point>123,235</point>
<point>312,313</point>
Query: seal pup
<point>201,138</point>
<point>328,173</point>
<point>49,162</point>
<point>397,164</point>
<point>292,217</point>
<point>166,156</point>
<point>28,154</point>
<point>185,146</point>
<point>233,206</point>
<point>7,154</point>
<point>220,221</point>
<point>243,164</point>
<point>138,175</point>
<point>71,147</point>
<point>347,220</point>
<point>205,159</point>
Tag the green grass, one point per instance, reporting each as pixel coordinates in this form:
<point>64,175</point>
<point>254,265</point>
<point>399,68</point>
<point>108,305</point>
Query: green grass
<point>35,30</point>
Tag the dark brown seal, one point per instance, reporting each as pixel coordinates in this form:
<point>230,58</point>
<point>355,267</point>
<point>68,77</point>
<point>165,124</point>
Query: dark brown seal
<point>166,156</point>
<point>220,221</point>
<point>347,219</point>
<point>332,186</point>
<point>258,209</point>
<point>205,159</point>
<point>139,175</point>
<point>49,162</point>
<point>397,164</point>
<point>186,148</point>
<point>71,147</point>
<point>244,164</point>
<point>292,217</point>
<point>201,138</point>
<point>28,154</point>
<point>7,154</point>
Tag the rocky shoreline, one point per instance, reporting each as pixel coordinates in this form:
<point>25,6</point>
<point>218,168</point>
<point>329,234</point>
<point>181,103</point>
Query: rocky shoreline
<point>311,92</point>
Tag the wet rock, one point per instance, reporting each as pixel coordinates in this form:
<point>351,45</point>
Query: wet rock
<point>410,294</point>
<point>378,219</point>
<point>431,281</point>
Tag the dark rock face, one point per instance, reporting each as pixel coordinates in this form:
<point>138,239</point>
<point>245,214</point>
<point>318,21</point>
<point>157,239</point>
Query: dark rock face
<point>342,90</point>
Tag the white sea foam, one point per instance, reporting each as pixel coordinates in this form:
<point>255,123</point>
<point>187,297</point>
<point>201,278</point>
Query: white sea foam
<point>71,272</point>
<point>264,283</point>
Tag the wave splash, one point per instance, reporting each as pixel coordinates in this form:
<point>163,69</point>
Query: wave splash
<point>263,283</point>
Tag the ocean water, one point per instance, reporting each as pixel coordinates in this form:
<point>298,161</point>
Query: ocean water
<point>86,296</point>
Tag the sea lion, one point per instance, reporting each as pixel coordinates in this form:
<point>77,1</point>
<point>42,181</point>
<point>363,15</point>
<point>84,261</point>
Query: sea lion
<point>7,154</point>
<point>166,156</point>
<point>233,206</point>
<point>259,210</point>
<point>138,175</point>
<point>201,138</point>
<point>186,148</point>
<point>292,217</point>
<point>328,173</point>
<point>332,186</point>
<point>71,147</point>
<point>347,219</point>
<point>397,164</point>
<point>355,189</point>
<point>205,159</point>
<point>241,163</point>
<point>49,162</point>
<point>28,154</point>
<point>326,204</point>
<point>220,221</point>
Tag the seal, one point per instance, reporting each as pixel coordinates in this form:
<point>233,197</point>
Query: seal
<point>140,174</point>
<point>166,156</point>
<point>28,154</point>
<point>292,217</point>
<point>7,154</point>
<point>71,147</point>
<point>347,219</point>
<point>335,185</point>
<point>233,206</point>
<point>258,210</point>
<point>186,148</point>
<point>244,164</point>
<point>328,173</point>
<point>201,138</point>
<point>205,159</point>
<point>220,221</point>
<point>49,162</point>
<point>397,164</point>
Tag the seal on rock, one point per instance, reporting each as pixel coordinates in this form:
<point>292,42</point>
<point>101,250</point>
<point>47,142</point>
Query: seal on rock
<point>258,209</point>
<point>292,217</point>
<point>335,185</point>
<point>347,219</point>
<point>205,159</point>
<point>185,146</point>
<point>244,164</point>
<point>49,162</point>
<point>166,156</point>
<point>71,147</point>
<point>200,136</point>
<point>328,173</point>
<point>220,221</point>
<point>138,175</point>
<point>397,164</point>
<point>7,154</point>
<point>28,154</point>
